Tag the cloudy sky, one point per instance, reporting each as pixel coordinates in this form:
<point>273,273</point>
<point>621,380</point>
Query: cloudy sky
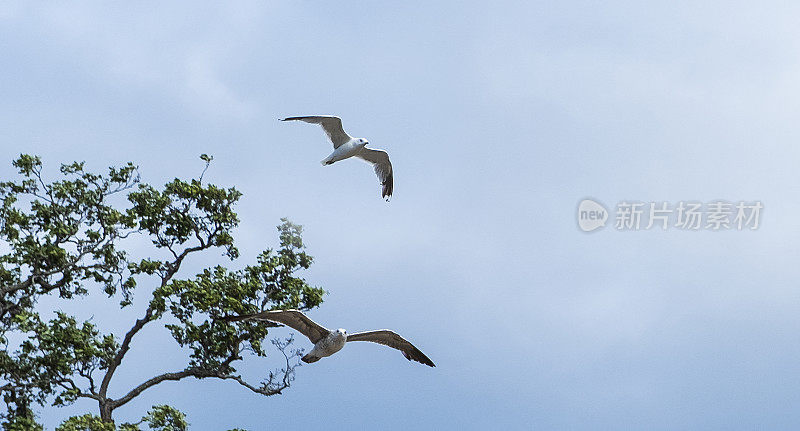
<point>499,118</point>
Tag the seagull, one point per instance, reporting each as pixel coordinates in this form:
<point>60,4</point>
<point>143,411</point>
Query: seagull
<point>345,146</point>
<point>327,342</point>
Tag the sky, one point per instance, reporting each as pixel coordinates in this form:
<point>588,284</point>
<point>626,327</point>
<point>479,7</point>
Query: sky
<point>499,118</point>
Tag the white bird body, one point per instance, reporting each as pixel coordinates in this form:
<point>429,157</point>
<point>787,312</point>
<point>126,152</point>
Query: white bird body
<point>345,151</point>
<point>327,346</point>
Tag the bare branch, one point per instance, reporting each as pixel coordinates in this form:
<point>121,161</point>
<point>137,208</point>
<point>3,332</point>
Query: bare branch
<point>72,386</point>
<point>139,324</point>
<point>123,349</point>
<point>156,380</point>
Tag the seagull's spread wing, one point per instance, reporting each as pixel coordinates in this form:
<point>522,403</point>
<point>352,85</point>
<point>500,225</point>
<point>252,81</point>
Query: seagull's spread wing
<point>332,126</point>
<point>291,318</point>
<point>383,168</point>
<point>393,340</point>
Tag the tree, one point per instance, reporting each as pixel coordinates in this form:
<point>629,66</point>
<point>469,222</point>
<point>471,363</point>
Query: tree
<point>68,238</point>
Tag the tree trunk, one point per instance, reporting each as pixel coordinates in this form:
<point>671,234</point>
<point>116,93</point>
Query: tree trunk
<point>106,407</point>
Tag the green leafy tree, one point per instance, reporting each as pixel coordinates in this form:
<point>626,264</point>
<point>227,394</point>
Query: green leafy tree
<point>69,238</point>
<point>159,418</point>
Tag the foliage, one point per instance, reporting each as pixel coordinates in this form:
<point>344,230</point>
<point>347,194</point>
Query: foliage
<point>166,418</point>
<point>159,418</point>
<point>68,238</point>
<point>21,423</point>
<point>86,422</point>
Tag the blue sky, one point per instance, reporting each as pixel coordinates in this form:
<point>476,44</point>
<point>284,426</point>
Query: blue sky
<point>499,118</point>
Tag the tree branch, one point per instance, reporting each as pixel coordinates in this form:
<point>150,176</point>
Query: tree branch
<point>139,324</point>
<point>39,277</point>
<point>78,392</point>
<point>266,389</point>
<point>156,380</point>
<point>123,349</point>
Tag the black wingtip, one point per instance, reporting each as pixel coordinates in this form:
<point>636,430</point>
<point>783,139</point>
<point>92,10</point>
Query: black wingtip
<point>428,363</point>
<point>387,187</point>
<point>421,358</point>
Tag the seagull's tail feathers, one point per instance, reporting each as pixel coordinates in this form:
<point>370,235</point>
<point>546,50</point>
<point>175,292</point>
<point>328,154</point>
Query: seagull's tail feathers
<point>309,358</point>
<point>327,161</point>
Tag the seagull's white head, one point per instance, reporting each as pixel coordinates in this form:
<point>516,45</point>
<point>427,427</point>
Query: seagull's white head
<point>362,142</point>
<point>341,331</point>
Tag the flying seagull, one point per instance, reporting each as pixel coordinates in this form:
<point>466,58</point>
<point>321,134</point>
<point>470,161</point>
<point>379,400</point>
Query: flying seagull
<point>345,146</point>
<point>327,342</point>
